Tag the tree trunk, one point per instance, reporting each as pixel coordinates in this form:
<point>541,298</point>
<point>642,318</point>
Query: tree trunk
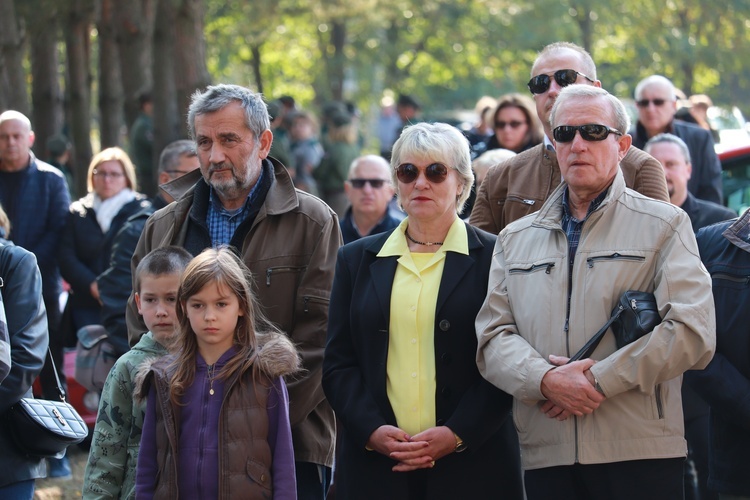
<point>256,64</point>
<point>46,94</point>
<point>134,28</point>
<point>77,45</point>
<point>110,85</point>
<point>11,56</point>
<point>167,117</point>
<point>190,70</point>
<point>338,64</point>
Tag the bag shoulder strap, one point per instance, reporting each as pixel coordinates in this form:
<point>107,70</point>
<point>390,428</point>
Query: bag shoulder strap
<point>588,349</point>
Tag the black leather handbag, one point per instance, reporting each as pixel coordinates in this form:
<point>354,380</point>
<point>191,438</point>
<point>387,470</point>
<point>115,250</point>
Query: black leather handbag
<point>635,315</point>
<point>44,428</point>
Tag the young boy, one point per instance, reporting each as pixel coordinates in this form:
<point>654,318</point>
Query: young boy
<point>110,472</point>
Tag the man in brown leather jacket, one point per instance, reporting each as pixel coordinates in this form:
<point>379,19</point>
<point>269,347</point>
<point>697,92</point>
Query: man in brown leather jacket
<point>520,185</point>
<point>243,198</point>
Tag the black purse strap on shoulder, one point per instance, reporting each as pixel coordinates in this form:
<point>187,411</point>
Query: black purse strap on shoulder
<point>588,349</point>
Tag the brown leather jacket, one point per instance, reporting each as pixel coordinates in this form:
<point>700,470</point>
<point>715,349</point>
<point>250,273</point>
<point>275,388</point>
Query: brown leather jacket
<point>291,250</point>
<point>520,185</point>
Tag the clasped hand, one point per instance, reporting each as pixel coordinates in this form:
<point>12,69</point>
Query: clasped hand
<point>569,389</point>
<point>412,452</point>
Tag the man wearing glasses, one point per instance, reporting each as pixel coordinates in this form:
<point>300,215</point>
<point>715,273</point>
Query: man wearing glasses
<point>657,105</point>
<point>520,185</point>
<point>609,426</point>
<point>369,189</point>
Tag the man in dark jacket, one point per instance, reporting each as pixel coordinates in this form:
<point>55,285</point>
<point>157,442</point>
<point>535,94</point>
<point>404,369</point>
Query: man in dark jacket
<point>674,156</point>
<point>35,196</point>
<point>177,159</point>
<point>287,238</point>
<point>725,382</point>
<point>657,105</point>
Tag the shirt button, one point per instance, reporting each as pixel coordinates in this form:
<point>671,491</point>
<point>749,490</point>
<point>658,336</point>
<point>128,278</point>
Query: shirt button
<point>413,341</point>
<point>413,408</point>
<point>418,280</point>
<point>413,374</point>
<point>413,308</point>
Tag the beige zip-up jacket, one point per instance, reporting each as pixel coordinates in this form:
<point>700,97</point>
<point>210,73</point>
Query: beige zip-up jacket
<point>630,242</point>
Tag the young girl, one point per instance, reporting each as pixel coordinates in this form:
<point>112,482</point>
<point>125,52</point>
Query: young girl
<point>217,419</point>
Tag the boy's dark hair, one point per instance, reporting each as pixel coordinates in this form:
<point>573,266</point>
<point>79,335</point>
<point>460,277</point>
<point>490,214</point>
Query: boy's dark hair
<point>163,260</point>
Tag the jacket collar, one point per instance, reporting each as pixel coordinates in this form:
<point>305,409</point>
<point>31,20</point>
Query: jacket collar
<point>551,213</point>
<point>281,198</point>
<point>383,269</point>
<point>739,232</point>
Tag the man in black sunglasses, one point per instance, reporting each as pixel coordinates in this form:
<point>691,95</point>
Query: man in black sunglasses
<point>657,106</point>
<point>369,189</point>
<point>520,185</point>
<point>588,428</point>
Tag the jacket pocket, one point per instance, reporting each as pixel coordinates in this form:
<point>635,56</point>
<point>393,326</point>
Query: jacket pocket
<point>546,267</point>
<point>259,474</point>
<point>279,294</point>
<point>519,199</point>
<point>730,280</point>
<point>591,261</point>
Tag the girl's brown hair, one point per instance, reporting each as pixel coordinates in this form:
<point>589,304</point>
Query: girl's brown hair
<point>223,267</point>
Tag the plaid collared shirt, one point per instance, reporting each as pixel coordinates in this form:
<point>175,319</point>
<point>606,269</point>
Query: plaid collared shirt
<point>573,228</point>
<point>222,223</point>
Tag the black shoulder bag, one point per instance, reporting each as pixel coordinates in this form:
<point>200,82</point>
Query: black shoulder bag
<point>634,316</point>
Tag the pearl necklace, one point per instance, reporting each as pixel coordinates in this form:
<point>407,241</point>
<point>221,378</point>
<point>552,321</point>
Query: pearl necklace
<point>425,243</point>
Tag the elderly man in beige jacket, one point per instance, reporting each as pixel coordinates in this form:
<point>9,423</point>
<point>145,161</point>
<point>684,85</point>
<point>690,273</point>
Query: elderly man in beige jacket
<point>609,426</point>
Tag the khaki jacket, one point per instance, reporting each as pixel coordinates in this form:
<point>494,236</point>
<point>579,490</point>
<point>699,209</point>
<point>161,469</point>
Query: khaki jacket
<point>520,185</point>
<point>291,250</point>
<point>629,243</point>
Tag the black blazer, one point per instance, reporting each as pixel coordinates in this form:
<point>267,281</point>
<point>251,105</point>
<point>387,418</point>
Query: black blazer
<point>354,378</point>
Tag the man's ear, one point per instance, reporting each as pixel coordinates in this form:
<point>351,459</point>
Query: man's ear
<point>266,139</point>
<point>137,298</point>
<point>32,138</point>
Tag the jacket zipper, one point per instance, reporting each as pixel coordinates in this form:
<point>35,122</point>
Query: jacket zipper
<point>732,277</point>
<point>536,267</point>
<point>615,256</point>
<point>525,201</point>
<point>272,270</point>
<point>311,298</point>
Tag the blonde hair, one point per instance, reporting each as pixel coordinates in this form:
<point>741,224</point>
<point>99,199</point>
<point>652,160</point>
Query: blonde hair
<point>224,268</point>
<point>112,154</point>
<point>4,223</point>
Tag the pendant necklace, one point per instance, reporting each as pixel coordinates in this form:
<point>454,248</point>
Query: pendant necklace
<point>211,370</point>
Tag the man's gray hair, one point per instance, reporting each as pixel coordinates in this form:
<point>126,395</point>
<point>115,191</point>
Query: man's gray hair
<point>589,67</point>
<point>217,97</point>
<point>170,155</point>
<point>671,139</point>
<point>436,142</point>
<point>619,113</point>
<point>656,80</point>
<point>370,159</point>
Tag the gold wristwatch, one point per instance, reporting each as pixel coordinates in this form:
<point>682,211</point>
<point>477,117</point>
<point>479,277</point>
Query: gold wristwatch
<point>460,446</point>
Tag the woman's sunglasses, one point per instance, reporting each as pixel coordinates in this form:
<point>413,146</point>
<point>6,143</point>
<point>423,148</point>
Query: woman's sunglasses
<point>564,77</point>
<point>408,173</point>
<point>589,132</point>
<point>511,124</point>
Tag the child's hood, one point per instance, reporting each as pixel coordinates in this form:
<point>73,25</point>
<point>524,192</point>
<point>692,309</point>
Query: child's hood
<point>277,356</point>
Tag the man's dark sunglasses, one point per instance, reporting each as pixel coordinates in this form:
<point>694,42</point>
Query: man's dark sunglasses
<point>360,183</point>
<point>564,77</point>
<point>643,103</point>
<point>408,173</point>
<point>589,132</point>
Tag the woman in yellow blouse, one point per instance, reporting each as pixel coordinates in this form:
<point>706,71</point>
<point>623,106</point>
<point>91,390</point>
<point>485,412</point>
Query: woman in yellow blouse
<point>417,419</point>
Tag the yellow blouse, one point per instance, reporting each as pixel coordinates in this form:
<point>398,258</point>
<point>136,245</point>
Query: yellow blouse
<point>410,367</point>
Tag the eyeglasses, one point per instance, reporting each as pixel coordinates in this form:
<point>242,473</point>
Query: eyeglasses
<point>589,132</point>
<point>511,124</point>
<point>360,183</point>
<point>107,175</point>
<point>643,103</point>
<point>435,173</point>
<point>564,77</point>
